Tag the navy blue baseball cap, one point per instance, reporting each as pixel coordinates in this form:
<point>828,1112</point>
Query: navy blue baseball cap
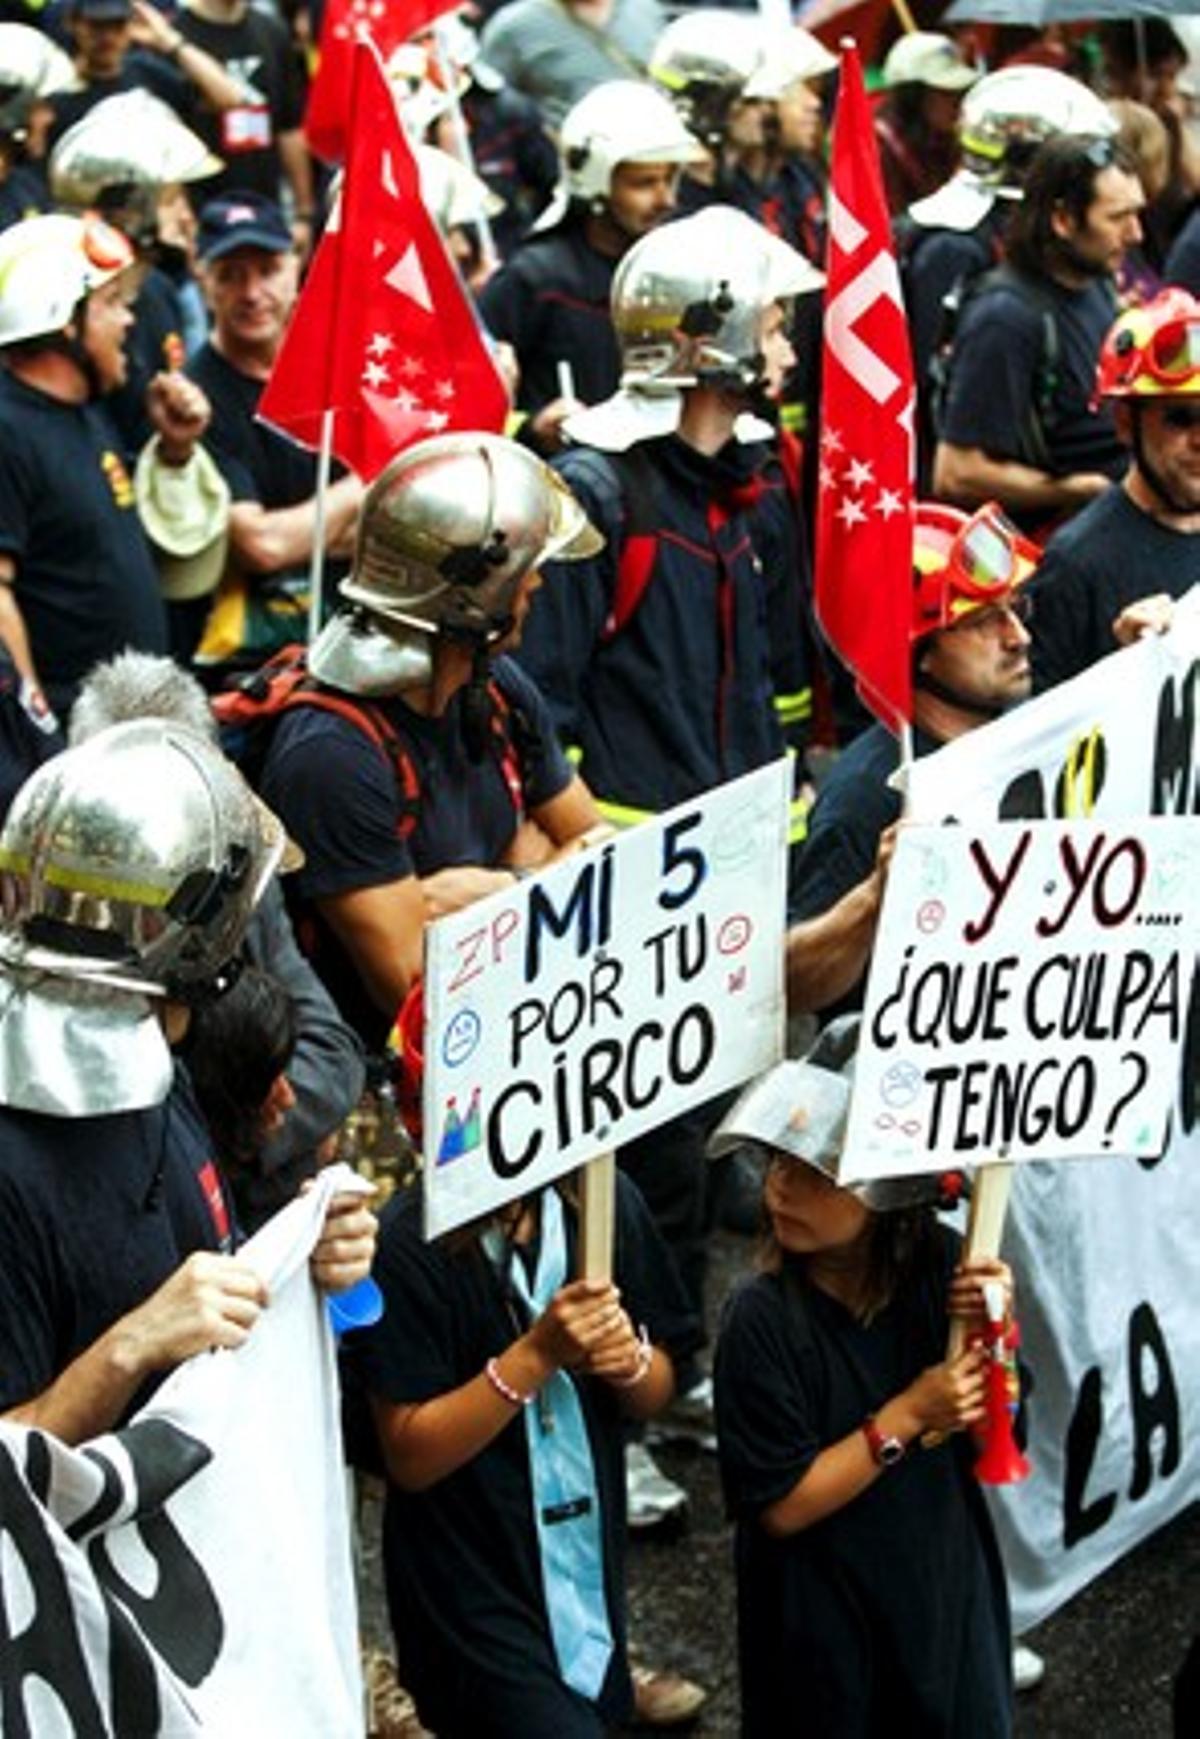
<point>241,220</point>
<point>101,11</point>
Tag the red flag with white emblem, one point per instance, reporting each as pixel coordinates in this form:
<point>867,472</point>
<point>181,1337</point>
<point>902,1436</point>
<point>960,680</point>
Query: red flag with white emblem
<point>386,23</point>
<point>383,310</point>
<point>865,496</point>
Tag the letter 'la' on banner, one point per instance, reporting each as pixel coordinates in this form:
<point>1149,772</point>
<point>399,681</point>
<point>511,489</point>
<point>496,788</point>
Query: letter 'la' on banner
<point>383,334</point>
<point>386,23</point>
<point>863,585</point>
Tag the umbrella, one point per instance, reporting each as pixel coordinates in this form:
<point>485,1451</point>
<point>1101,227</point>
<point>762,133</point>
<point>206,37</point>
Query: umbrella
<point>1039,12</point>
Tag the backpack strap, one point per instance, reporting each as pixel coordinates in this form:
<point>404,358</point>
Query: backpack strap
<point>283,684</point>
<point>509,731</point>
<point>374,723</point>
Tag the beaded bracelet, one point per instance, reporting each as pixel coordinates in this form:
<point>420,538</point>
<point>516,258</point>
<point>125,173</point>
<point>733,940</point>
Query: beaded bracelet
<point>645,1358</point>
<point>505,1390</point>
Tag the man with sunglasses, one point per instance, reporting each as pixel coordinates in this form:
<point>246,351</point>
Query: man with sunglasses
<point>1020,424</point>
<point>970,653</point>
<point>1111,573</point>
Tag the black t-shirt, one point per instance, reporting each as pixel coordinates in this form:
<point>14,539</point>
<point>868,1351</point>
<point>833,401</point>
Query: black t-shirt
<point>890,1615</point>
<point>998,368</point>
<point>258,463</point>
<point>86,582</point>
<point>257,53</point>
<point>460,1559</point>
<point>1105,558</point>
<point>141,70</point>
<point>95,1213</point>
<point>340,800</point>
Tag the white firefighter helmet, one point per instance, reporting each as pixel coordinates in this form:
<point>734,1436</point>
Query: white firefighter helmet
<point>31,67</point>
<point>621,121</point>
<point>122,153</point>
<point>449,529</point>
<point>450,193</point>
<point>48,264</point>
<point>787,55</point>
<point>134,861</point>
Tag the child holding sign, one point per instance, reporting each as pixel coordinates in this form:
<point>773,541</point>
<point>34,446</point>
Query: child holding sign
<point>499,1385</point>
<point>871,1597</point>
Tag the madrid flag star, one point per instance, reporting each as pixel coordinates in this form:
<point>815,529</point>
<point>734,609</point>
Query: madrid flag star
<point>865,498</point>
<point>383,335</point>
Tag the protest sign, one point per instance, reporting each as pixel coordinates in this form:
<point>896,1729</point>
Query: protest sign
<point>578,1010</point>
<point>1104,1255</point>
<point>1028,994</point>
<point>191,1572</point>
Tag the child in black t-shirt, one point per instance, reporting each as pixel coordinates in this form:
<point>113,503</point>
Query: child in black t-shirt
<point>871,1599</point>
<point>484,1336</point>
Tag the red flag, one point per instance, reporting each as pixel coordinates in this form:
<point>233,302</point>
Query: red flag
<point>386,23</point>
<point>384,309</point>
<point>865,495</point>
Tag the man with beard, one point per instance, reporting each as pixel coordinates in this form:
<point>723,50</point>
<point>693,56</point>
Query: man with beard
<point>1018,423</point>
<point>1113,572</point>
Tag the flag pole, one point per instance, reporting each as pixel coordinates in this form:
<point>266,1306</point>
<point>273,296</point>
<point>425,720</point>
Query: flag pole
<point>462,143</point>
<point>337,216</point>
<point>316,564</point>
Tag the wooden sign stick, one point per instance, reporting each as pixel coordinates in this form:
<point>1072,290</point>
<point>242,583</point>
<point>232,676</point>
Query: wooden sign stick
<point>985,1228</point>
<point>597,1209</point>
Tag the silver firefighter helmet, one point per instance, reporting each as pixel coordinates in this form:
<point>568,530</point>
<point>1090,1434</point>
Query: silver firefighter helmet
<point>134,861</point>
<point>121,154</point>
<point>450,528</point>
<point>800,1109</point>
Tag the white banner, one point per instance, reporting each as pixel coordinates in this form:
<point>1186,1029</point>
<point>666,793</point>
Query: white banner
<point>581,1009</point>
<point>192,1572</point>
<point>1028,994</point>
<point>1105,1255</point>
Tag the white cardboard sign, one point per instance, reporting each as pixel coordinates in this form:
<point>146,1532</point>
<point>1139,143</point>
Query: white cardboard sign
<point>576,1011</point>
<point>1028,995</point>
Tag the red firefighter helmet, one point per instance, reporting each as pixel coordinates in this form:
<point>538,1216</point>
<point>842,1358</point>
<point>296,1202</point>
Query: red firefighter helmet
<point>964,562</point>
<point>1153,351</point>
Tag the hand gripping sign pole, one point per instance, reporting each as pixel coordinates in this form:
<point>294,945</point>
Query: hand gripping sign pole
<point>597,1212</point>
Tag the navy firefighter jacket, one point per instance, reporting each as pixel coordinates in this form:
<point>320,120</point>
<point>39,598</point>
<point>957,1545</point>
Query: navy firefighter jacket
<point>654,654</point>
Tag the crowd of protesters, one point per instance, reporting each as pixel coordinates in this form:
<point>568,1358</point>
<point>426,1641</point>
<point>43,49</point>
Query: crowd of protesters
<point>536,637</point>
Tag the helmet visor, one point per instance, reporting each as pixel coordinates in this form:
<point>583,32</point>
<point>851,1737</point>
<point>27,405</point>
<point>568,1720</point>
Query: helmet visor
<point>1173,353</point>
<point>987,558</point>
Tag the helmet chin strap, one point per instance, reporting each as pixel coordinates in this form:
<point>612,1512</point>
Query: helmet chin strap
<point>71,345</point>
<point>477,702</point>
<point>965,703</point>
<point>1171,503</point>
